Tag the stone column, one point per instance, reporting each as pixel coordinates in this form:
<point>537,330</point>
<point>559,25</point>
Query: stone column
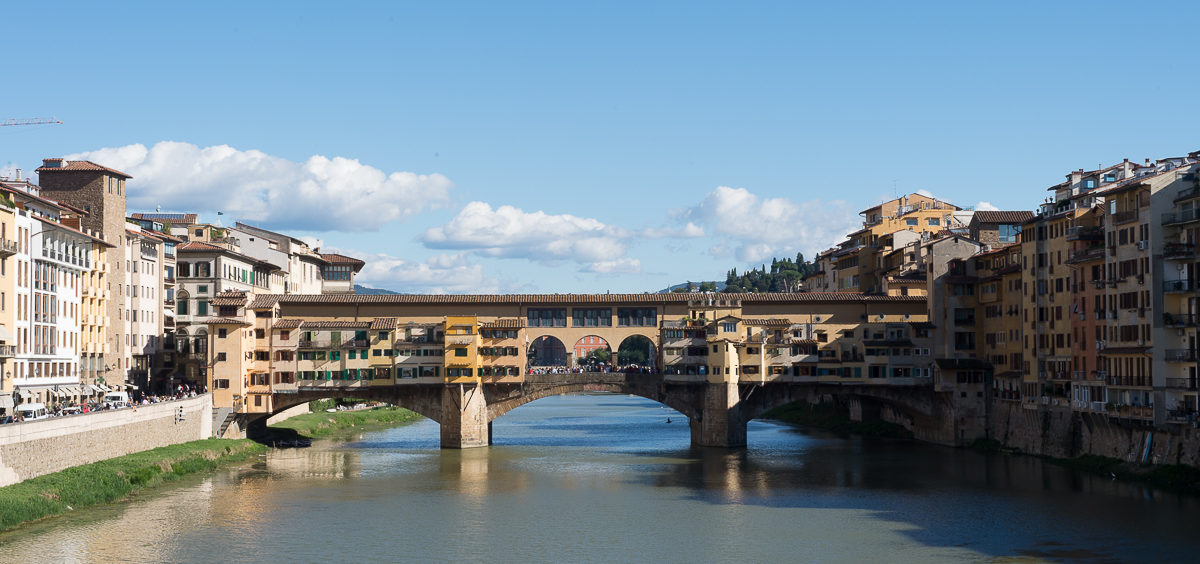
<point>464,417</point>
<point>721,423</point>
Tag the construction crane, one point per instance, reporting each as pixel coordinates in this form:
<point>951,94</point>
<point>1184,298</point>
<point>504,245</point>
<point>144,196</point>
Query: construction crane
<point>29,121</point>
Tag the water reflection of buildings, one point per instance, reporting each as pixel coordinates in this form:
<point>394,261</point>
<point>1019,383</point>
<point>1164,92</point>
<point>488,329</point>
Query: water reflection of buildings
<point>315,463</point>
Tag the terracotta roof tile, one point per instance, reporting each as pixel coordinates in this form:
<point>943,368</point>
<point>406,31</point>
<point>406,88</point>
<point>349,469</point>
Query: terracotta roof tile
<point>78,166</point>
<point>384,323</point>
<point>772,322</point>
<point>337,324</point>
<point>229,298</point>
<point>505,323</point>
<point>226,321</point>
<point>288,323</point>
<point>198,246</point>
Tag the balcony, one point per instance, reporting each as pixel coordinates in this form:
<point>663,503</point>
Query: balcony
<point>460,339</point>
<point>1124,217</point>
<point>1180,319</point>
<point>355,344</point>
<point>1180,217</point>
<point>1085,233</point>
<point>1188,194</point>
<point>8,248</point>
<point>1176,286</point>
<point>1179,251</point>
<point>1181,383</point>
<point>1088,254</point>
<point>1180,355</point>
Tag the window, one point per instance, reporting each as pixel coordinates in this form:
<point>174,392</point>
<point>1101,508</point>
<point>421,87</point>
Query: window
<point>221,332</point>
<point>729,327</point>
<point>911,221</point>
<point>383,335</point>
<point>1008,233</point>
<point>462,351</point>
<point>934,221</point>
<point>549,317</point>
<point>220,357</point>
<point>181,308</point>
<point>202,289</point>
<point>199,232</point>
<point>201,307</point>
<point>284,335</point>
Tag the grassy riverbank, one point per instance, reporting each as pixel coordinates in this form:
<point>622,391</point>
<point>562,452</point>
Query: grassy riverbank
<point>115,479</point>
<point>323,424</point>
<point>827,416</point>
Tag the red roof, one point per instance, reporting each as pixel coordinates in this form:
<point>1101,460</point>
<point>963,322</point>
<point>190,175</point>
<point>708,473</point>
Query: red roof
<point>77,166</point>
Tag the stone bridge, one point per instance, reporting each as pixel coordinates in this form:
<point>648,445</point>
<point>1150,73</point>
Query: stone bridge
<point>717,412</point>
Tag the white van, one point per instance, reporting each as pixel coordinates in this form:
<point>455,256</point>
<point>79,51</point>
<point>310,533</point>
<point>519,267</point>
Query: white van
<point>33,411</point>
<point>117,399</point>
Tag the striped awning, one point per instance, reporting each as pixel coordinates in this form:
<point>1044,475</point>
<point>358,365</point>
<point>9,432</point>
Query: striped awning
<point>6,402</point>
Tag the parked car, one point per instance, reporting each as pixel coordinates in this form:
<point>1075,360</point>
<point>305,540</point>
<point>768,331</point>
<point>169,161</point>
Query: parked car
<point>33,411</point>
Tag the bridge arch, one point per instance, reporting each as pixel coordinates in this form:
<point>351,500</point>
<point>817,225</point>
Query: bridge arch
<point>498,407</point>
<point>422,400</point>
<point>592,351</point>
<point>547,350</point>
<point>637,350</point>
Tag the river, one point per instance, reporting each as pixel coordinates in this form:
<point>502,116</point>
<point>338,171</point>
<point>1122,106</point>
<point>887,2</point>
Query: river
<point>605,478</point>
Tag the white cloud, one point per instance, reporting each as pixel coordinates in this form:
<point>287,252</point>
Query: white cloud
<point>986,206</point>
<point>318,194</point>
<point>619,266</point>
<point>689,231</point>
<point>511,232</point>
<point>761,228</point>
<point>927,194</point>
<point>439,274</point>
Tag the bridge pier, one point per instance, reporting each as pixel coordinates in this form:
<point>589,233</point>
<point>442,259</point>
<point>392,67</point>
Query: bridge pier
<point>464,422</point>
<point>721,422</point>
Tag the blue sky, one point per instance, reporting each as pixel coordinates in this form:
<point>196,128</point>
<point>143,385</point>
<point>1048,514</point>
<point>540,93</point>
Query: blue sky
<point>582,147</point>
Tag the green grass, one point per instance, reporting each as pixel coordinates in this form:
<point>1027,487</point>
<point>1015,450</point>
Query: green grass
<point>826,416</point>
<point>323,424</point>
<point>115,479</point>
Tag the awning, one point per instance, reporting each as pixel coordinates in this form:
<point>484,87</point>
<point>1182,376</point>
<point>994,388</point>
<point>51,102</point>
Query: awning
<point>131,386</point>
<point>6,402</point>
<point>72,390</point>
<point>104,388</point>
<point>5,335</point>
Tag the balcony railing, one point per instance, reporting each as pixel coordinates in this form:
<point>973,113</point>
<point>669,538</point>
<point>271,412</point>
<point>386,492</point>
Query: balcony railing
<point>1180,217</point>
<point>1124,217</point>
<point>1181,383</point>
<point>1188,193</point>
<point>1180,355</point>
<point>1180,319</point>
<point>1178,286</point>
<point>8,247</point>
<point>1178,251</point>
<point>1085,233</point>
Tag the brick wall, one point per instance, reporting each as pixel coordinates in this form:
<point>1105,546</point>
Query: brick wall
<point>35,448</point>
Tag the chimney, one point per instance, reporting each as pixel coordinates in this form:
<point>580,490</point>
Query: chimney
<point>1147,162</point>
<point>18,175</point>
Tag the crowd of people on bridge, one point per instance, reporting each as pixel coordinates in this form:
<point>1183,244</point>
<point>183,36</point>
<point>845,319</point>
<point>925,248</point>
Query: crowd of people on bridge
<point>605,368</point>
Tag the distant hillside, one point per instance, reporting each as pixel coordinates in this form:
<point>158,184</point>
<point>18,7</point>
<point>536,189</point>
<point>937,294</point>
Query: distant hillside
<point>372,291</point>
<point>710,286</point>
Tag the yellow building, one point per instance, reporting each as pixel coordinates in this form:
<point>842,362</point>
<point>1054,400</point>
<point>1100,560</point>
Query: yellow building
<point>462,365</point>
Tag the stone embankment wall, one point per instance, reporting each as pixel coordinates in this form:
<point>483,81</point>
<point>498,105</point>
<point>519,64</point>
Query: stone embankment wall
<point>35,448</point>
<point>289,413</point>
<point>1062,433</point>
